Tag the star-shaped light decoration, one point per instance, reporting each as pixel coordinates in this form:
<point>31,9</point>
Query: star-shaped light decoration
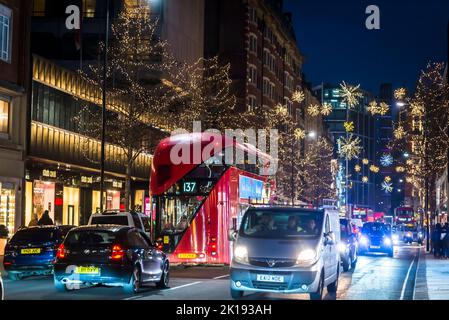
<point>326,109</point>
<point>350,94</point>
<point>365,179</point>
<point>281,110</point>
<point>387,186</point>
<point>349,126</point>
<point>299,134</point>
<point>349,148</point>
<point>387,179</point>
<point>416,109</point>
<point>409,179</point>
<point>399,133</point>
<point>357,168</point>
<point>383,109</point>
<point>298,96</point>
<point>313,110</point>
<point>399,94</point>
<point>400,169</point>
<point>365,161</point>
<point>374,168</point>
<point>386,160</point>
<point>372,107</point>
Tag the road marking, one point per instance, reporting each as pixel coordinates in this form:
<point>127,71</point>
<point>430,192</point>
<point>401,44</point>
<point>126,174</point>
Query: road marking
<point>406,279</point>
<point>185,285</point>
<point>133,298</point>
<point>416,274</point>
<point>223,276</point>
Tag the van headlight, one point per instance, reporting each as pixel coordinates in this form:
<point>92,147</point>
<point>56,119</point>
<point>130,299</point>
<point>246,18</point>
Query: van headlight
<point>387,242</point>
<point>342,247</point>
<point>364,240</point>
<point>241,254</point>
<point>306,257</point>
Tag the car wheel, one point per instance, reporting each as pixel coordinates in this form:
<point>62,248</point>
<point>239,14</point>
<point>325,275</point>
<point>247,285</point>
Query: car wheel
<point>59,286</point>
<point>134,283</point>
<point>332,288</point>
<point>236,294</point>
<point>346,262</point>
<point>318,295</point>
<point>165,278</point>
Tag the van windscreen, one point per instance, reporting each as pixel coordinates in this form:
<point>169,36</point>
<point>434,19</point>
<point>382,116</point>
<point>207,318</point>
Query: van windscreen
<point>278,224</point>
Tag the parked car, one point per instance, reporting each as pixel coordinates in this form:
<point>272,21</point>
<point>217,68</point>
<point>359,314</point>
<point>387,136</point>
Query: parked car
<point>32,251</point>
<point>348,245</point>
<point>376,237</point>
<point>123,218</point>
<point>286,250</point>
<point>110,255</point>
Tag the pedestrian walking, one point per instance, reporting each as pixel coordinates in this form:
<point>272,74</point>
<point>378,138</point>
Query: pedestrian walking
<point>436,240</point>
<point>45,220</point>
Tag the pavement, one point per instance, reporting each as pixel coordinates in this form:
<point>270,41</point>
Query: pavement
<point>432,278</point>
<point>376,277</point>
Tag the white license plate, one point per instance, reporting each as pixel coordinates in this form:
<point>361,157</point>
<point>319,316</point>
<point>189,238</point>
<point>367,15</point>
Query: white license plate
<point>375,247</point>
<point>270,278</point>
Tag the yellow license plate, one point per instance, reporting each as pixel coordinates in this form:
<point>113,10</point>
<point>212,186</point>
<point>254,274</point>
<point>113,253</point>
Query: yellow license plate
<point>31,251</point>
<point>166,240</point>
<point>87,270</point>
<point>186,255</point>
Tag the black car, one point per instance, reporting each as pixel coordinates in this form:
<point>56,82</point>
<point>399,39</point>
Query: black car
<point>109,255</point>
<point>32,250</point>
<point>348,245</point>
<point>376,237</point>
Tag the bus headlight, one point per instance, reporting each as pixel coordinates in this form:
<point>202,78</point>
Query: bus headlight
<point>306,257</point>
<point>241,254</point>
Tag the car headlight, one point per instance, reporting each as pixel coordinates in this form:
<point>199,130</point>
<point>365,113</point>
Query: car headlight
<point>395,238</point>
<point>364,240</point>
<point>342,247</point>
<point>420,234</point>
<point>387,241</point>
<point>241,254</point>
<point>306,257</point>
<point>409,234</point>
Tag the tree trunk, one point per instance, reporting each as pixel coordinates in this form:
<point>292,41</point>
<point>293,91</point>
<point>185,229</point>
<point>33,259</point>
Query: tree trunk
<point>129,163</point>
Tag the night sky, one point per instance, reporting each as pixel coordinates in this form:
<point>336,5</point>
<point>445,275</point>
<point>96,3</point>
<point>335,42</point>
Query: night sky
<point>332,36</point>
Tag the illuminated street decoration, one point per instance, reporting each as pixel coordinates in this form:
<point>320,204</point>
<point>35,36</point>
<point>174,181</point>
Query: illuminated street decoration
<point>281,110</point>
<point>416,109</point>
<point>372,107</point>
<point>400,169</point>
<point>387,179</point>
<point>399,133</point>
<point>399,94</point>
<point>351,94</point>
<point>349,148</point>
<point>349,126</point>
<point>298,96</point>
<point>326,109</point>
<point>374,168</point>
<point>383,109</point>
<point>313,110</point>
<point>375,108</point>
<point>386,160</point>
<point>357,168</point>
<point>365,179</point>
<point>299,134</point>
<point>365,161</point>
<point>387,186</point>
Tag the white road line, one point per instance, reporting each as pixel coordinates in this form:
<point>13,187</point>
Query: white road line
<point>223,276</point>
<point>133,298</point>
<point>185,285</point>
<point>406,279</point>
<point>416,274</point>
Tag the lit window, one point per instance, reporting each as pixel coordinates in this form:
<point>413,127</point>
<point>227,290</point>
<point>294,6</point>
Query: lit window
<point>252,43</point>
<point>5,33</point>
<point>252,15</point>
<point>4,116</point>
<point>89,8</point>
<point>38,8</point>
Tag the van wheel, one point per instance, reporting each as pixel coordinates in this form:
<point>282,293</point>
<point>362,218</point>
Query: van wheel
<point>165,278</point>
<point>318,295</point>
<point>134,283</point>
<point>236,294</point>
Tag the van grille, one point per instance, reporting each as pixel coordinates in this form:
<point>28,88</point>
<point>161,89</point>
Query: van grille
<point>268,263</point>
<point>269,285</point>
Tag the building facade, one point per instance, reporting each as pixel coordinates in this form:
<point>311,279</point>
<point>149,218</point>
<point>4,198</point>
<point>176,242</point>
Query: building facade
<point>14,57</point>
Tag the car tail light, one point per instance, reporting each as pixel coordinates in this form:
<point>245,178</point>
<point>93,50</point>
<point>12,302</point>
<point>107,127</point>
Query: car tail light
<point>117,252</point>
<point>60,254</point>
<point>7,263</point>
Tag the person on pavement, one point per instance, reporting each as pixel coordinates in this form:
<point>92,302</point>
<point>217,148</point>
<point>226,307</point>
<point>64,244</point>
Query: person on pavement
<point>436,240</point>
<point>45,220</point>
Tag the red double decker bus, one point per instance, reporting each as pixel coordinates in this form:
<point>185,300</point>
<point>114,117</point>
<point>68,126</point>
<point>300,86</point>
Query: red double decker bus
<point>195,203</point>
<point>404,215</point>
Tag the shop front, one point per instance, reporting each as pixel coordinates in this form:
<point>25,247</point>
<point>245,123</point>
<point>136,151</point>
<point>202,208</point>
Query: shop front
<point>71,196</point>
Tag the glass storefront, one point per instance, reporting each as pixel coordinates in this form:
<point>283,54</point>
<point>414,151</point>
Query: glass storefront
<point>7,206</point>
<point>43,199</point>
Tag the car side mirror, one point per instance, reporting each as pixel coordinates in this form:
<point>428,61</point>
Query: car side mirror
<point>329,238</point>
<point>232,235</point>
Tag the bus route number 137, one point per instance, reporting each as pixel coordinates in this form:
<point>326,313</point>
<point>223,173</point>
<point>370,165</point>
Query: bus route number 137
<point>189,187</point>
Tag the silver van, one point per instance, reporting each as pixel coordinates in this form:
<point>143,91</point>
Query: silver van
<point>286,250</point>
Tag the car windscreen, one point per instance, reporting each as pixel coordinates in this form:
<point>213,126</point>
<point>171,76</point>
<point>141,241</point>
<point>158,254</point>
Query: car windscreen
<point>375,229</point>
<point>278,224</point>
<point>34,236</point>
<point>90,238</point>
<point>117,220</point>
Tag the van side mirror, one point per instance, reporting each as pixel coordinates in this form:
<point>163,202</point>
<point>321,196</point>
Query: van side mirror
<point>329,238</point>
<point>232,235</point>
